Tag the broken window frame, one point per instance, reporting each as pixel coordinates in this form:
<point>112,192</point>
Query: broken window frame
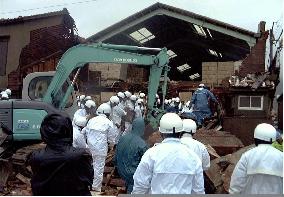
<point>250,103</point>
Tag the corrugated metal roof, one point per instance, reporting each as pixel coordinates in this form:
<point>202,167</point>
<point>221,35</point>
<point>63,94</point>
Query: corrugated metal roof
<point>157,6</point>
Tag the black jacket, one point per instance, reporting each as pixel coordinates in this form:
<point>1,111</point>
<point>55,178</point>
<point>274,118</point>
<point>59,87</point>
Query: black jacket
<point>61,170</point>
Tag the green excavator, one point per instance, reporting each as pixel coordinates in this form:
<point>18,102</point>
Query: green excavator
<point>20,120</point>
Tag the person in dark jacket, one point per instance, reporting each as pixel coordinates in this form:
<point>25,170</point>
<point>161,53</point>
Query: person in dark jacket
<point>60,169</point>
<point>129,151</point>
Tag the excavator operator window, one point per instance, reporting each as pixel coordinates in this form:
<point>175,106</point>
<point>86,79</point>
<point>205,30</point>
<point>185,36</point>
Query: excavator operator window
<point>39,85</point>
<point>60,94</point>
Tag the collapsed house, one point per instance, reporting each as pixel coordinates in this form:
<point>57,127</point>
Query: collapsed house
<point>33,44</point>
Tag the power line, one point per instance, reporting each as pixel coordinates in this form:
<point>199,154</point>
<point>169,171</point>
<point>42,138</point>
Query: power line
<point>45,7</point>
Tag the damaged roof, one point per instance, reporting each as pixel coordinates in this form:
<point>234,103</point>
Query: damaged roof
<point>22,19</point>
<point>190,38</point>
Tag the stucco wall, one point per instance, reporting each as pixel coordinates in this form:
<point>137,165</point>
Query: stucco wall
<point>19,38</point>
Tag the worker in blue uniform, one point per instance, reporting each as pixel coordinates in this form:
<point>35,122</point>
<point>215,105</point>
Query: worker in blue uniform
<point>199,105</point>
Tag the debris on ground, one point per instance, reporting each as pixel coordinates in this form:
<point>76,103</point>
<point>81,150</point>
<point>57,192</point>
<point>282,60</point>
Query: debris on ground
<point>218,176</point>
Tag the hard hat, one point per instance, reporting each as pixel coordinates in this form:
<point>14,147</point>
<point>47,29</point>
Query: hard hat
<point>133,98</point>
<point>189,125</point>
<point>142,95</point>
<point>114,99</point>
<point>82,97</point>
<point>80,121</point>
<point>104,109</point>
<point>187,103</point>
<point>127,94</point>
<point>201,85</point>
<point>166,101</point>
<point>8,91</point>
<point>139,101</point>
<point>90,103</point>
<point>170,122</point>
<point>88,98</point>
<point>177,100</point>
<point>4,95</point>
<point>265,132</point>
<point>121,95</point>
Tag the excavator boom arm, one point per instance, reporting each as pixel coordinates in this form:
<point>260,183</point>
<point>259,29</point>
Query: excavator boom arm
<point>154,58</point>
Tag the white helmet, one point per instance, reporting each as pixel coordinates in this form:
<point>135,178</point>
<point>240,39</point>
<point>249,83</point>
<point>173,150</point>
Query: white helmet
<point>88,98</point>
<point>133,98</point>
<point>90,103</point>
<point>139,101</point>
<point>104,109</point>
<point>187,103</point>
<point>82,97</point>
<point>265,132</point>
<point>201,85</point>
<point>80,121</point>
<point>4,95</point>
<point>170,122</point>
<point>189,126</point>
<point>8,91</point>
<point>121,95</point>
<point>142,95</point>
<point>127,94</point>
<point>114,99</point>
<point>177,99</point>
<point>166,101</point>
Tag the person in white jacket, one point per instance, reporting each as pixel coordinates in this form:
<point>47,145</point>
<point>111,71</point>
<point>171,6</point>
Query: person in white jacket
<point>79,140</point>
<point>189,129</point>
<point>99,132</point>
<point>260,169</point>
<point>169,167</point>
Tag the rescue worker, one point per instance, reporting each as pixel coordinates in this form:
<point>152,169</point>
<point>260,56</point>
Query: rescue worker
<point>117,115</point>
<point>99,132</point>
<point>90,108</point>
<point>189,129</point>
<point>79,140</point>
<point>169,167</point>
<point>60,169</point>
<point>81,102</point>
<point>260,169</point>
<point>121,97</point>
<point>199,105</point>
<point>127,98</point>
<point>129,152</point>
<point>130,113</point>
<point>138,109</point>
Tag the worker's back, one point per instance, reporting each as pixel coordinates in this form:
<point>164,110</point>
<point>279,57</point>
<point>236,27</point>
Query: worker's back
<point>198,148</point>
<point>175,170</point>
<point>263,167</point>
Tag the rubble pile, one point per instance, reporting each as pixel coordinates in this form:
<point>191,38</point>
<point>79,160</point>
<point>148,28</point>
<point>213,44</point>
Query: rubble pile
<point>218,176</point>
<point>252,80</point>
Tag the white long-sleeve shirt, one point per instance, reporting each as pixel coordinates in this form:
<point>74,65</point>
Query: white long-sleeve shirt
<point>99,131</point>
<point>169,168</point>
<point>199,149</point>
<point>259,171</point>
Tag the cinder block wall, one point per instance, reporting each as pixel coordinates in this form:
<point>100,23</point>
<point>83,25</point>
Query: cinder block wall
<point>214,72</point>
